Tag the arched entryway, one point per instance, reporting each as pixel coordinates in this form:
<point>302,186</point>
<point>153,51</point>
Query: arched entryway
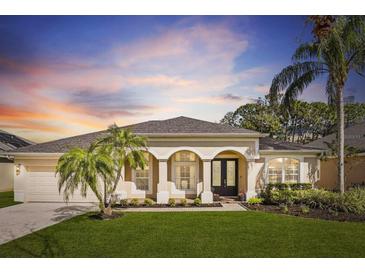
<point>185,170</point>
<point>229,173</point>
<point>145,179</point>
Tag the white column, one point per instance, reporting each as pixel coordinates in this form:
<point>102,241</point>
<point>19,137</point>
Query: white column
<point>253,170</point>
<point>162,187</point>
<point>207,194</point>
<point>123,174</point>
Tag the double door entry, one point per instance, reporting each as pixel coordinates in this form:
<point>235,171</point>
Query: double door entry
<point>225,177</point>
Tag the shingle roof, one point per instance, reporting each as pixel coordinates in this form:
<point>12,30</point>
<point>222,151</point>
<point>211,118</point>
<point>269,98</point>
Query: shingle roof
<point>10,141</point>
<point>267,143</point>
<point>354,137</point>
<point>179,126</point>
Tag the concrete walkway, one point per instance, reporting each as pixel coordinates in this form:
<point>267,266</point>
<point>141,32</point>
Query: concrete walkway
<point>225,207</point>
<point>19,220</point>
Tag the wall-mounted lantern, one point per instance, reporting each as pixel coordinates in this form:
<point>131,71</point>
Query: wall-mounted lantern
<point>17,169</point>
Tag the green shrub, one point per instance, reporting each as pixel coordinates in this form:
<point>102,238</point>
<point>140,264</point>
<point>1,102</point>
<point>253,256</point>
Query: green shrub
<point>134,202</point>
<point>301,186</point>
<point>148,202</point>
<point>197,201</point>
<point>124,202</point>
<point>172,202</point>
<point>317,198</point>
<point>289,186</point>
<point>255,201</point>
<point>286,196</point>
<point>183,202</point>
<point>284,208</point>
<point>352,201</point>
<point>305,209</point>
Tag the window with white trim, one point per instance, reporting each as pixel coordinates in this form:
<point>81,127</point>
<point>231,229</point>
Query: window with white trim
<point>142,177</point>
<point>185,170</point>
<point>283,170</point>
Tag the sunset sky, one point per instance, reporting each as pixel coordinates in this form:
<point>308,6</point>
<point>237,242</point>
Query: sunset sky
<point>63,76</point>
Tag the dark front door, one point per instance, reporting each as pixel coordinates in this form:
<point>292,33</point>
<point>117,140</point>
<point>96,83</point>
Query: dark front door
<point>224,176</point>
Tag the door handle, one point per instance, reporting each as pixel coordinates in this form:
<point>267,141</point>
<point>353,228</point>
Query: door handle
<point>225,183</point>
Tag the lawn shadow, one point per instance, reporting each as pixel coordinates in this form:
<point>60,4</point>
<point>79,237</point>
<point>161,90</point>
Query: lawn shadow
<point>67,212</point>
<point>50,247</point>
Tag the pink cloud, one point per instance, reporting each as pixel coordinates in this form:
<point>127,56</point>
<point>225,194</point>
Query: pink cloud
<point>179,65</point>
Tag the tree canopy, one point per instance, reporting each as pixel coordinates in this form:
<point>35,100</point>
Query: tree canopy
<point>303,122</point>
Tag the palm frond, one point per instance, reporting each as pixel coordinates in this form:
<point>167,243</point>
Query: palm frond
<point>295,74</point>
<point>298,85</point>
<point>305,52</point>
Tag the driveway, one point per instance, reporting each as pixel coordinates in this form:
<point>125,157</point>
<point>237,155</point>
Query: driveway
<point>19,220</point>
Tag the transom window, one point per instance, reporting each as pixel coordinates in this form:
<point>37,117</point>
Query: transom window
<point>185,168</point>
<point>283,170</point>
<point>142,177</point>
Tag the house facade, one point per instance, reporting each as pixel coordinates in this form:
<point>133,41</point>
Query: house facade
<point>186,158</point>
<point>354,165</point>
<point>9,142</point>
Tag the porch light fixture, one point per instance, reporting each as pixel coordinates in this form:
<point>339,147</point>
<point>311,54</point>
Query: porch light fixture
<point>17,169</point>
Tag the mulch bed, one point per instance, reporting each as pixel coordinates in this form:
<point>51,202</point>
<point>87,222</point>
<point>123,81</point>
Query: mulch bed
<point>167,206</point>
<point>315,213</point>
<point>102,216</point>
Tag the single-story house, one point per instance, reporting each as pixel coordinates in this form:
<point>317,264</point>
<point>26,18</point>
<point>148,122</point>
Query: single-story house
<point>186,158</point>
<point>354,166</point>
<point>9,142</point>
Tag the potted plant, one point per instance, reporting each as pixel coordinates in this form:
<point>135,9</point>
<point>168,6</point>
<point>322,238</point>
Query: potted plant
<point>216,197</point>
<point>242,196</point>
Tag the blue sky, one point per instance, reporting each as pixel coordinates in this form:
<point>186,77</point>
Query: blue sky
<point>67,75</point>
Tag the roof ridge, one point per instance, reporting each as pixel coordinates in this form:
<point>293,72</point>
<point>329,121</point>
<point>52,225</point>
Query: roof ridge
<point>176,126</point>
<point>215,123</point>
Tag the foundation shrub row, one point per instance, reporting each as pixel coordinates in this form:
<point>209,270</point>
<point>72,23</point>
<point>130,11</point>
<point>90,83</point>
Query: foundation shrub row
<point>352,201</point>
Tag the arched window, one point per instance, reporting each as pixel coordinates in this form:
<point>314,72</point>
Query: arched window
<point>185,170</point>
<point>283,170</point>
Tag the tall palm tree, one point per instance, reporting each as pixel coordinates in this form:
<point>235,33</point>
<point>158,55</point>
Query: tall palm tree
<point>338,48</point>
<point>123,146</point>
<point>81,169</point>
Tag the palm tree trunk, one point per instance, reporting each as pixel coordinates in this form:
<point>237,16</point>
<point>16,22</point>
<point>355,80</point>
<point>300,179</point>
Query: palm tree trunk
<point>117,178</point>
<point>101,202</point>
<point>341,139</point>
<point>105,192</point>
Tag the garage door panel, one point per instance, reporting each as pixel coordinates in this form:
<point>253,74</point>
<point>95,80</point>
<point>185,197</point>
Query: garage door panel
<point>42,187</point>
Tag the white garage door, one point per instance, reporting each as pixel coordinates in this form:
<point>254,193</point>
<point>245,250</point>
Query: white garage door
<point>42,187</point>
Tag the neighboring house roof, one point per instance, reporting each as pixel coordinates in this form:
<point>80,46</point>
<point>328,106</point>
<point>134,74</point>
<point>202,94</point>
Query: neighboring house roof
<point>354,137</point>
<point>267,143</point>
<point>179,126</point>
<point>10,141</point>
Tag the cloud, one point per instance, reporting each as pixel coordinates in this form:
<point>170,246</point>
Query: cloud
<point>224,99</point>
<point>110,105</point>
<point>231,97</point>
<point>191,62</point>
<point>263,89</point>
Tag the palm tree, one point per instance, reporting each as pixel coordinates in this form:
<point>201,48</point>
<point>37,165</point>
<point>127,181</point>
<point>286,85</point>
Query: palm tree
<point>337,49</point>
<point>81,169</point>
<point>123,146</point>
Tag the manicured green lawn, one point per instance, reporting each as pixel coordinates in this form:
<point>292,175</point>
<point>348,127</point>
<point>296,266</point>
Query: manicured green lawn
<point>193,234</point>
<point>7,199</point>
